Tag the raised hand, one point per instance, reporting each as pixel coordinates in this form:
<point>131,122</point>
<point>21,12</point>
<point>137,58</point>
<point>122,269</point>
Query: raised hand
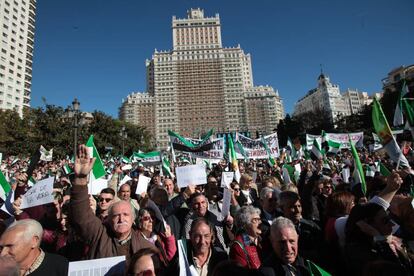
<point>83,165</point>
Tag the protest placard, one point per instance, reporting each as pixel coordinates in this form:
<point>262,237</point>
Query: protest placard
<point>125,180</point>
<point>192,174</point>
<point>226,202</point>
<point>226,179</point>
<point>95,187</point>
<point>98,267</point>
<point>39,194</point>
<point>142,186</point>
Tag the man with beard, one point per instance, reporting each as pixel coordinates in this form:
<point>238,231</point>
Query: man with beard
<point>114,238</point>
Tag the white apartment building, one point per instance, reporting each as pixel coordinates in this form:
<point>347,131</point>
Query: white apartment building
<point>17,28</point>
<point>199,84</point>
<point>356,100</point>
<point>326,97</point>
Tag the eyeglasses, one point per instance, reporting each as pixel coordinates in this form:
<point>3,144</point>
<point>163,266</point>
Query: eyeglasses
<point>147,218</point>
<point>101,199</point>
<point>236,189</point>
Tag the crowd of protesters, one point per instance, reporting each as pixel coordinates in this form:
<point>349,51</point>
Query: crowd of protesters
<point>274,227</point>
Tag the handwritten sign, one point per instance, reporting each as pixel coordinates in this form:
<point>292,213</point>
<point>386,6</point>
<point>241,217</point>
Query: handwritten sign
<point>226,179</point>
<point>142,186</point>
<point>39,194</point>
<point>192,174</point>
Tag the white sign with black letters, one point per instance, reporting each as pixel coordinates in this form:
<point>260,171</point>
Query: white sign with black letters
<point>41,193</point>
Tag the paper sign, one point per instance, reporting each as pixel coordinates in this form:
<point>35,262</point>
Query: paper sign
<point>225,210</point>
<point>226,179</point>
<point>346,173</point>
<point>192,174</point>
<point>126,167</point>
<point>297,168</point>
<point>97,186</point>
<point>142,186</point>
<point>98,267</point>
<point>39,194</point>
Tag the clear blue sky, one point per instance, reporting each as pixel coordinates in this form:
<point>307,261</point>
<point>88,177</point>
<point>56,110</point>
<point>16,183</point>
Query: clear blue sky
<point>95,50</point>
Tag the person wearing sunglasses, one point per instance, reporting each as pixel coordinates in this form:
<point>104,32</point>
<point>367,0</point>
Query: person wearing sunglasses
<point>145,262</point>
<point>105,199</point>
<point>165,242</point>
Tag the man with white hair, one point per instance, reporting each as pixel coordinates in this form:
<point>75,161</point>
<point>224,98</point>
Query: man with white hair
<point>115,237</point>
<point>284,259</point>
<point>21,242</point>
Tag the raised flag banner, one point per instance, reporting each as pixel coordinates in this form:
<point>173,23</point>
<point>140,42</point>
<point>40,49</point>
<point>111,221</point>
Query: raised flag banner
<point>98,169</point>
<point>45,155</point>
<point>383,131</point>
<point>310,138</point>
<point>233,159</point>
<point>149,158</point>
<point>377,142</point>
<point>358,174</point>
<point>315,270</point>
<point>316,150</point>
<point>4,186</point>
<point>206,148</point>
<point>255,149</point>
<point>398,113</point>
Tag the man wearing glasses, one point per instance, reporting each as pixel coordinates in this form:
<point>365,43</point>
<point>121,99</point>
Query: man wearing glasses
<point>106,198</point>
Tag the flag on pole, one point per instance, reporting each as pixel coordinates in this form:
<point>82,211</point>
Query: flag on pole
<point>316,270</point>
<point>383,170</point>
<point>369,171</point>
<point>166,167</point>
<point>98,169</point>
<point>358,171</point>
<point>334,147</point>
<point>4,187</point>
<point>292,149</point>
<point>316,150</point>
<point>67,169</point>
<point>408,107</point>
<point>383,131</point>
<point>398,114</point>
<point>271,160</point>
<point>125,160</point>
<point>233,158</point>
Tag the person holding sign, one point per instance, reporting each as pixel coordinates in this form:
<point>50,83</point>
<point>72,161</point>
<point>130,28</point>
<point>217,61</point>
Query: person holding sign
<point>114,238</point>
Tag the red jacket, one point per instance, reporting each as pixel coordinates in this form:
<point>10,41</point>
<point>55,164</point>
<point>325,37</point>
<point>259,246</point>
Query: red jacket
<point>245,252</point>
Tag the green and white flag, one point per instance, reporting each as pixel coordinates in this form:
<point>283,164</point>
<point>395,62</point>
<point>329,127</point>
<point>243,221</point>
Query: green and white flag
<point>233,159</point>
<point>382,169</point>
<point>15,161</point>
<point>334,147</point>
<point>369,171</point>
<point>125,160</point>
<point>316,150</point>
<point>46,155</point>
<point>358,170</point>
<point>166,167</point>
<point>98,169</point>
<point>316,270</point>
<point>31,181</point>
<point>271,160</point>
<point>292,148</point>
<point>408,107</point>
<point>4,186</point>
<point>153,157</point>
<point>398,113</point>
<point>67,169</point>
<point>384,132</point>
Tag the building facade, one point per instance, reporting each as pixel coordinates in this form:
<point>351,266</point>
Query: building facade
<point>17,31</point>
<point>356,100</point>
<point>326,97</point>
<point>393,82</point>
<point>199,84</point>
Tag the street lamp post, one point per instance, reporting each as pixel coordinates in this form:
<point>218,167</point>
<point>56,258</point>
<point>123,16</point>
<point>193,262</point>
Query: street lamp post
<point>123,135</point>
<point>75,107</point>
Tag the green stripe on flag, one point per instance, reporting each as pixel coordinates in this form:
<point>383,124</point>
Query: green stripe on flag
<point>98,169</point>
<point>315,270</point>
<point>358,167</point>
<point>4,186</point>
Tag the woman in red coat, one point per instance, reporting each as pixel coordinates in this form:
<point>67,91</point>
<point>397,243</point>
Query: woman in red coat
<point>245,248</point>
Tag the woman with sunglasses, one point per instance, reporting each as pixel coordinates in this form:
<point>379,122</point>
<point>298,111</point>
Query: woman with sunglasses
<point>165,242</point>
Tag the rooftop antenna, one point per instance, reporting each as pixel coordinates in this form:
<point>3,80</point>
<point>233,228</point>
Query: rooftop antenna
<point>321,68</point>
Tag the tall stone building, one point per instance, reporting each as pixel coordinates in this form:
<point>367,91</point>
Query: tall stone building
<point>326,97</point>
<point>356,100</point>
<point>17,30</point>
<point>199,85</point>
